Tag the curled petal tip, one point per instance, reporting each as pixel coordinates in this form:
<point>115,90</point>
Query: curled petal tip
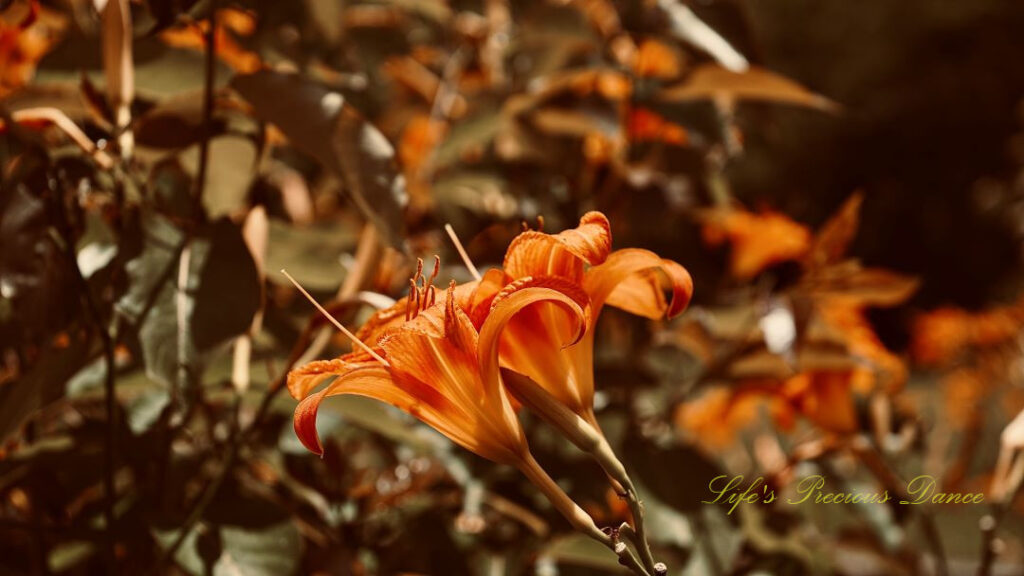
<point>682,284</point>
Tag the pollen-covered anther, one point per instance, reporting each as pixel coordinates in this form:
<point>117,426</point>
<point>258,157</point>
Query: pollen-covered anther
<point>422,293</point>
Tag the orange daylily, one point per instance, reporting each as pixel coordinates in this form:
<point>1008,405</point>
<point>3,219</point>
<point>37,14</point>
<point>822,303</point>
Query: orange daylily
<point>643,125</point>
<point>429,366</point>
<point>579,263</point>
<point>192,36</point>
<point>656,59</point>
<point>434,364</point>
<point>25,38</point>
<point>759,240</point>
<point>822,397</point>
<point>939,336</point>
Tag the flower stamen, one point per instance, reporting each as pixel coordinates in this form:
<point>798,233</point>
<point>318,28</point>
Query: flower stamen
<point>422,293</point>
<point>356,341</point>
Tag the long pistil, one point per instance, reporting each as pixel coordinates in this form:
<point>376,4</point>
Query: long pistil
<point>356,341</point>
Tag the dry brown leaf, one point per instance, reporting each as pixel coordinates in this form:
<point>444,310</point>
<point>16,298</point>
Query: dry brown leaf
<point>604,82</point>
<point>1009,472</point>
<point>853,284</point>
<point>712,82</point>
<point>601,14</point>
<point>416,77</point>
<point>835,236</point>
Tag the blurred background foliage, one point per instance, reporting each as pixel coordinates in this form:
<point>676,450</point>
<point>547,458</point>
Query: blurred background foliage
<point>844,181</point>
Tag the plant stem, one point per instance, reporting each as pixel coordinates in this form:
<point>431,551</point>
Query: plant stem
<point>110,400</point>
<point>204,147</point>
<point>989,529</point>
<point>194,515</point>
<point>576,516</point>
<point>867,453</point>
<point>585,436</point>
<point>636,508</point>
<point>714,563</point>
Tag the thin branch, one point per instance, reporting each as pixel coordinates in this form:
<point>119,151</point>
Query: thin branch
<point>211,68</point>
<point>110,399</point>
<point>686,26</point>
<point>59,119</point>
<point>120,74</point>
<point>197,511</point>
<point>181,305</point>
<point>876,464</point>
<point>255,232</point>
<point>492,53</point>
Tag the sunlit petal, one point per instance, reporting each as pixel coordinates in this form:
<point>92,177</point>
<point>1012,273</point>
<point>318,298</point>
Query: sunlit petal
<point>535,253</point>
<point>630,279</point>
<point>530,324</point>
<point>302,381</point>
<point>478,302</point>
<point>371,380</point>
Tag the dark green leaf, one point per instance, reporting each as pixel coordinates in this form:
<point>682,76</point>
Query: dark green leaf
<point>228,291</point>
<point>321,123</point>
<point>41,385</point>
<point>272,550</point>
<point>222,294</point>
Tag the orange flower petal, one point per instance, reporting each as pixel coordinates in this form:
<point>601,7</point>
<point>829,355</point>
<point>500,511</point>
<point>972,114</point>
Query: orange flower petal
<point>759,241</point>
<point>629,280</point>
<point>435,357</point>
<point>471,297</point>
<point>478,303</point>
<point>302,381</point>
<point>531,322</point>
<point>368,380</point>
<point>538,254</point>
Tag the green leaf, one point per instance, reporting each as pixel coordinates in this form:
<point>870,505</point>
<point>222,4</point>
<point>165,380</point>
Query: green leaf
<point>40,385</point>
<point>583,551</point>
<point>272,550</point>
<point>309,253</point>
<point>228,291</point>
<point>144,410</point>
<point>67,555</point>
<point>175,122</point>
<point>222,294</point>
<point>229,173</point>
<point>321,123</point>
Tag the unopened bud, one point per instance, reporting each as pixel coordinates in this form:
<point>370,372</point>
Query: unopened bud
<point>660,569</point>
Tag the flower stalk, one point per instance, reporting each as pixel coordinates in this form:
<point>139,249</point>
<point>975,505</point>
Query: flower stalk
<point>588,439</point>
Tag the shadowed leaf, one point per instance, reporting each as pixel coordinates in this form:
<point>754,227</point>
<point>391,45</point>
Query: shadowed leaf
<point>321,123</point>
<point>711,82</point>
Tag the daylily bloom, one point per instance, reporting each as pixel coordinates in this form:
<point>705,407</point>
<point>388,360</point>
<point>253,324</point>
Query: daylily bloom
<point>759,240</point>
<point>434,364</point>
<point>582,263</point>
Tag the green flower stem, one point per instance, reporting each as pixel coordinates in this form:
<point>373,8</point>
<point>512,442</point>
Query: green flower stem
<point>576,516</point>
<point>582,434</point>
